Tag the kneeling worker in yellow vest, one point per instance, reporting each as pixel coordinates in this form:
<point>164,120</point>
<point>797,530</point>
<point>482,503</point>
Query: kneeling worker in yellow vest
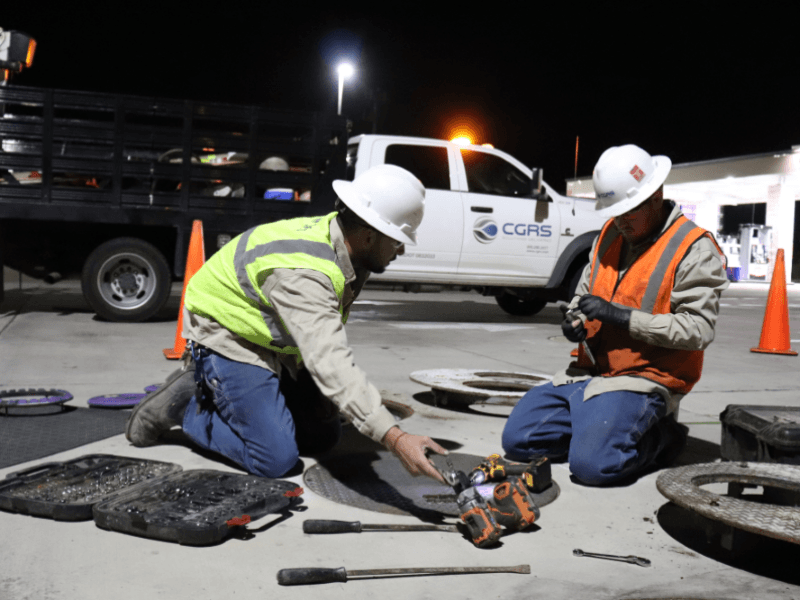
<point>265,316</point>
<point>644,311</point>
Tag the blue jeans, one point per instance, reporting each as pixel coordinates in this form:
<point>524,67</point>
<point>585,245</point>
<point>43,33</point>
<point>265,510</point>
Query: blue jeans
<point>606,439</point>
<point>256,419</point>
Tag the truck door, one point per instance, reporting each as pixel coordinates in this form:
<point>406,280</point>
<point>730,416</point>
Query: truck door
<point>506,231</point>
<point>439,235</point>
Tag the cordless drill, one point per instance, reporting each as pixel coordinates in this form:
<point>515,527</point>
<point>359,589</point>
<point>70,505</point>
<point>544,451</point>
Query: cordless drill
<point>536,474</point>
<point>510,505</point>
<point>472,508</point>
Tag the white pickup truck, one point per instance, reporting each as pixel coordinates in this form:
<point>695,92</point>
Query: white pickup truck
<point>491,224</point>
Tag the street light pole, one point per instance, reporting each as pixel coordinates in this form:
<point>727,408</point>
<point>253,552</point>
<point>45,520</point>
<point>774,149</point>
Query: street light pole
<point>345,70</point>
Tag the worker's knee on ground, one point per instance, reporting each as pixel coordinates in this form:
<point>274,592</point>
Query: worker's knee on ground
<point>514,439</point>
<point>276,465</point>
<point>590,468</point>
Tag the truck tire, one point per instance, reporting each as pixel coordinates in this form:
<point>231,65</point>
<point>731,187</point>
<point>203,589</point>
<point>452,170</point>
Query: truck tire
<point>519,307</point>
<point>126,280</point>
<point>573,283</point>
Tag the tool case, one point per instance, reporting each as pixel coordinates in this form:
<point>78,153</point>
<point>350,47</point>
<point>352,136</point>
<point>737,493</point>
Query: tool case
<point>761,434</point>
<point>67,491</point>
<point>147,498</point>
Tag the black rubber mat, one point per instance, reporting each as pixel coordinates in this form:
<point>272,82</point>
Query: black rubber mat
<point>361,473</point>
<point>32,433</point>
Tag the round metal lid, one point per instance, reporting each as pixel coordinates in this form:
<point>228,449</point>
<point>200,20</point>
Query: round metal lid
<point>32,397</point>
<point>116,400</point>
<point>476,384</point>
<point>682,486</point>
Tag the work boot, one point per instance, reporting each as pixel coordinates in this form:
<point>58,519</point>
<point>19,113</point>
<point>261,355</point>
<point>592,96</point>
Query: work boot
<point>162,409</point>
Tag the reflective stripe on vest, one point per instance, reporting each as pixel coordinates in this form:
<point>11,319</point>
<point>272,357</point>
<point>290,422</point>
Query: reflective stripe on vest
<point>227,288</point>
<point>242,257</point>
<point>646,286</point>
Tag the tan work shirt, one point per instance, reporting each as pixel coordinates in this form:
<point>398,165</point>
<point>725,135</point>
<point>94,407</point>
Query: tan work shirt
<point>307,304</point>
<point>699,281</point>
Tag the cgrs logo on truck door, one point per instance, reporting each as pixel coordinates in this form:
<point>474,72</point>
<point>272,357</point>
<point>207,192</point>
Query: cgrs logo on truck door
<point>486,230</point>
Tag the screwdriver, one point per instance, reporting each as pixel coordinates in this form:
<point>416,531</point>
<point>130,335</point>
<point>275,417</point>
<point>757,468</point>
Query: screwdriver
<point>325,526</point>
<point>322,575</point>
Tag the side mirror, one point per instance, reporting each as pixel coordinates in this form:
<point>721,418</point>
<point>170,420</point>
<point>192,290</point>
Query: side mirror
<point>537,190</point>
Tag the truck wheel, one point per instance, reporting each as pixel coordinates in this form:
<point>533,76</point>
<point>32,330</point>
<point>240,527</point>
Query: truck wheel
<point>519,307</point>
<point>573,283</point>
<point>126,280</point>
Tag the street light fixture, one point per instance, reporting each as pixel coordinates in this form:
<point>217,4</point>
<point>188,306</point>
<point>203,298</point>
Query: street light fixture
<point>345,70</point>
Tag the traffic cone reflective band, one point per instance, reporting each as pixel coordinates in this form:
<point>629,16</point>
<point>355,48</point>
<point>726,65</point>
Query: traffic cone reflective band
<point>194,260</point>
<point>775,330</point>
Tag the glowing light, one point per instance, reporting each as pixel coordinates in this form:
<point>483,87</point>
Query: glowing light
<point>345,70</point>
<point>464,126</point>
<point>487,145</point>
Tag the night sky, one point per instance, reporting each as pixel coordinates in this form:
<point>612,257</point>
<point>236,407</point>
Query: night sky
<point>694,84</point>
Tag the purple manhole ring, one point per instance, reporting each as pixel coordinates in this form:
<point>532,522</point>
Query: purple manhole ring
<point>116,400</point>
<point>26,398</point>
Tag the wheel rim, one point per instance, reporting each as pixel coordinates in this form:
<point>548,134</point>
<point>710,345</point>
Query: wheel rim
<point>126,281</point>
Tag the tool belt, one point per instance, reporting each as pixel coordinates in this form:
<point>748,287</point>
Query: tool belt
<point>204,396</point>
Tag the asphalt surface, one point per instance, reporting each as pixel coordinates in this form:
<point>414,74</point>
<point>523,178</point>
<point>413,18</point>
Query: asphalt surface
<point>50,339</point>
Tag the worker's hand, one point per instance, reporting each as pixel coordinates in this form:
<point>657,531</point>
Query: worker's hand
<point>572,326</point>
<point>410,449</point>
<point>595,307</point>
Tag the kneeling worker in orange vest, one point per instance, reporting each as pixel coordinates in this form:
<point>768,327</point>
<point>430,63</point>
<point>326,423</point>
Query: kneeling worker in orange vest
<point>644,311</point>
<point>271,368</point>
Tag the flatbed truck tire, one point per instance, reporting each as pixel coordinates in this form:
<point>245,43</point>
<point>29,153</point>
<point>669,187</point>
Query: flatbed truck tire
<point>126,280</point>
<point>519,307</point>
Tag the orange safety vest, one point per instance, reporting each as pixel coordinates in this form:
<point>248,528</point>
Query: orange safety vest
<point>646,286</point>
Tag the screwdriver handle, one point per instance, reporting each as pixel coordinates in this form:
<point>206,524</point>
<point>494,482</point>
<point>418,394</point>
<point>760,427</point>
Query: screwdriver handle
<point>311,575</point>
<point>326,526</point>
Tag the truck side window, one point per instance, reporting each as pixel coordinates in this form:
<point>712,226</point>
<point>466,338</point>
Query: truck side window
<point>428,163</point>
<point>490,174</point>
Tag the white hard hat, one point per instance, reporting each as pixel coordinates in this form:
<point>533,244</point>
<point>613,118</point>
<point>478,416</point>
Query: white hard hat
<point>388,198</point>
<point>274,163</point>
<point>626,176</point>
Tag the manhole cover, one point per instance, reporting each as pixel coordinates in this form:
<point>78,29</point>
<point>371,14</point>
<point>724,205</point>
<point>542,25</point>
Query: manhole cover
<point>682,486</point>
<point>473,385</point>
<point>32,397</point>
<point>377,481</point>
<point>115,401</point>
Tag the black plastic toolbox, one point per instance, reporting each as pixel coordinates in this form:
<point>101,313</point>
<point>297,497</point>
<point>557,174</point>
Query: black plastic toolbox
<point>146,498</point>
<point>761,434</point>
<point>67,491</point>
<point>197,507</point>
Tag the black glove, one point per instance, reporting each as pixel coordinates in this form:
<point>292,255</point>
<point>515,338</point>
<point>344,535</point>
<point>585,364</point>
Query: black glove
<point>605,312</point>
<point>573,334</point>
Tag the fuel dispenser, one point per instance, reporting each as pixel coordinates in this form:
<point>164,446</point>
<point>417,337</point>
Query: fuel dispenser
<point>754,242</point>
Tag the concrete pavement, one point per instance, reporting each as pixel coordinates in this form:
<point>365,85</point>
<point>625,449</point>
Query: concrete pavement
<point>49,338</point>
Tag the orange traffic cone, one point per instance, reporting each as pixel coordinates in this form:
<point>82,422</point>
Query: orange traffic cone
<point>775,330</point>
<point>194,260</point>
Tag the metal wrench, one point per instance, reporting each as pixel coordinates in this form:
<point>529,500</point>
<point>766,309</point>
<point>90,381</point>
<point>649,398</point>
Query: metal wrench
<point>634,560</point>
<point>570,314</point>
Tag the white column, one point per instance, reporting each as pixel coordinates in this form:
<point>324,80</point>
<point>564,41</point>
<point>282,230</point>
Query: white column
<point>780,216</point>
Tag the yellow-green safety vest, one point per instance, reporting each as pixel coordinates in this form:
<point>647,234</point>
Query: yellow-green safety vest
<point>227,288</point>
